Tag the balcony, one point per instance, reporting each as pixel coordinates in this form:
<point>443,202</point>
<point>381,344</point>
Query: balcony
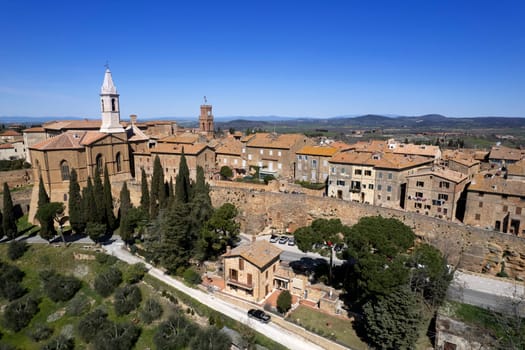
<point>239,284</point>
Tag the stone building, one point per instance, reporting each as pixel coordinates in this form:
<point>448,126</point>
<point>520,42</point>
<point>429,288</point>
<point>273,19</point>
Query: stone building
<point>228,153</point>
<point>12,145</point>
<point>33,136</point>
<point>496,203</point>
<point>87,151</point>
<point>249,270</point>
<point>312,163</point>
<point>502,156</point>
<point>206,125</point>
<point>435,191</point>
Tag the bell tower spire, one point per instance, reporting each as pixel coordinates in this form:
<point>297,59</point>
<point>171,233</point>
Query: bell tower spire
<point>109,99</point>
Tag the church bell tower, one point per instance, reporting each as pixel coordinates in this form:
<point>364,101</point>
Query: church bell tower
<point>109,99</point>
<point>206,119</point>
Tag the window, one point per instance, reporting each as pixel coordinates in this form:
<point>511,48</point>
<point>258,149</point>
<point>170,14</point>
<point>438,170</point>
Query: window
<point>261,151</point>
<point>249,279</point>
<point>102,102</point>
<point>389,188</point>
<point>480,194</point>
<point>419,194</point>
<point>505,208</point>
<point>380,175</point>
<point>379,187</point>
<point>358,172</point>
<point>370,186</point>
<point>444,184</point>
<point>266,274</point>
<point>233,274</point>
<point>279,153</point>
<point>356,185</point>
<point>249,157</point>
<point>427,207</point>
<point>387,198</point>
<point>241,264</point>
<point>279,166</point>
<point>65,197</point>
<point>445,211</point>
<point>364,186</point>
<point>504,196</point>
<point>420,184</point>
<point>300,157</point>
<point>314,164</point>
<point>332,170</point>
<point>113,106</point>
<point>443,196</point>
<point>119,162</point>
<point>235,161</point>
<point>225,161</point>
<point>271,152</point>
<point>243,150</point>
<point>378,196</point>
<point>390,176</point>
<point>481,204</point>
<point>417,205</point>
<point>368,172</point>
<point>99,162</point>
<point>477,217</point>
<point>273,268</point>
<point>343,171</point>
<point>64,170</point>
<point>325,162</point>
<point>340,183</point>
<point>518,210</point>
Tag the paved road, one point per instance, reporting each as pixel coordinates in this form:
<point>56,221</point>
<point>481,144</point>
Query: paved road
<point>270,330</point>
<point>488,292</point>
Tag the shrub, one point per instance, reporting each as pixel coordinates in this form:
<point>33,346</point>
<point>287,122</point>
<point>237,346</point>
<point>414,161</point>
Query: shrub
<point>175,333</point>
<point>105,259</point>
<point>107,281</point>
<point>60,343</point>
<point>151,311</point>
<point>127,299</point>
<point>117,336</point>
<point>192,277</point>
<point>59,287</point>
<point>284,301</point>
<point>19,313</point>
<point>90,326</point>
<point>135,273</point>
<point>10,278</point>
<point>16,249</point>
<point>226,172</point>
<point>41,332</point>
<point>78,305</point>
<point>4,346</point>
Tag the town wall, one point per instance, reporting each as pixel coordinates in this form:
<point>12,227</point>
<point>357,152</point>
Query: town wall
<point>471,248</point>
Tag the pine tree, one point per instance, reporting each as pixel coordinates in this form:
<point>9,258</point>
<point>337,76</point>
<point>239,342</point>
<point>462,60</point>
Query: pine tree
<point>126,229</point>
<point>76,217</point>
<point>98,197</point>
<point>9,220</point>
<point>157,187</point>
<point>144,199</point>
<point>43,198</point>
<point>108,202</point>
<point>182,181</point>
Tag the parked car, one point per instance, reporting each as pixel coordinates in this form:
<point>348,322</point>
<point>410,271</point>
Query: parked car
<point>259,315</point>
<point>274,239</point>
<point>291,241</point>
<point>283,240</point>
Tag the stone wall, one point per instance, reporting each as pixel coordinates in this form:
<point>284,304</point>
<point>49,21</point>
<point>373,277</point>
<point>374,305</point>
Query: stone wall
<point>471,248</point>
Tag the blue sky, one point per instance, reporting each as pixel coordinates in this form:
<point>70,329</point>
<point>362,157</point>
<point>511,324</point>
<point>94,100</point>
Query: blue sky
<point>289,58</point>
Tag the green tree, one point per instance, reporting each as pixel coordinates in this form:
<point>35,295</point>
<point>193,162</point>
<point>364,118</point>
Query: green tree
<point>108,202</point>
<point>43,198</point>
<point>99,204</point>
<point>117,336</point>
<point>127,299</point>
<point>220,231</point>
<point>92,324</point>
<point>176,243</point>
<point>144,198</point>
<point>59,287</point>
<point>10,281</point>
<point>76,214</point>
<point>182,181</point>
<point>392,321</point>
<point>60,342</point>
<point>1,224</point>
<point>8,219</point>
<point>19,313</point>
<point>88,202</point>
<point>126,226</point>
<point>151,311</point>
<point>95,230</point>
<point>175,333</point>
<point>284,301</point>
<point>210,338</point>
<point>47,215</point>
<point>157,188</point>
<point>226,172</point>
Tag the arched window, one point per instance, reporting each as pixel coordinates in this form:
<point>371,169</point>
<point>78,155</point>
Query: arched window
<point>64,170</point>
<point>102,102</point>
<point>118,160</point>
<point>113,109</point>
<point>99,163</point>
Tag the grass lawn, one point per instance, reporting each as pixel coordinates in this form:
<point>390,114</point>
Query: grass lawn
<point>324,324</point>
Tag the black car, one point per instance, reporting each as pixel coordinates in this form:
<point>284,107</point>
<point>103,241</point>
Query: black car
<point>259,315</point>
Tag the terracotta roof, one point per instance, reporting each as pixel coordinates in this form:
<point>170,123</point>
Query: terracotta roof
<point>10,133</point>
<point>324,151</point>
<point>86,124</point>
<point>70,140</point>
<point>506,153</point>
<point>517,168</point>
<point>6,146</point>
<point>231,147</point>
<point>496,184</point>
<point>351,157</point>
<point>464,161</point>
<point>420,150</point>
<point>184,138</point>
<point>90,136</point>
<point>259,253</point>
<point>135,134</point>
<point>177,148</point>
<point>34,129</point>
<point>339,145</point>
<point>481,155</point>
<point>379,160</point>
<point>369,146</point>
<point>272,140</point>
<point>444,173</point>
<point>247,138</point>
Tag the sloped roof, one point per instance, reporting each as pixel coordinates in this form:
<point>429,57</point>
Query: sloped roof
<point>259,253</point>
<point>506,153</point>
<point>444,173</point>
<point>134,134</point>
<point>171,148</point>
<point>323,151</point>
<point>420,150</point>
<point>379,160</point>
<point>86,124</point>
<point>231,147</point>
<point>10,133</point>
<point>369,146</point>
<point>496,184</point>
<point>6,146</point>
<point>272,140</point>
<point>70,140</point>
<point>186,138</point>
<point>517,168</point>
<point>36,129</point>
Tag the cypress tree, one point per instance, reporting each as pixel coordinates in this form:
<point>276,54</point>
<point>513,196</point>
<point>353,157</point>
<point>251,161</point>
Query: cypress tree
<point>108,202</point>
<point>171,192</point>
<point>201,207</point>
<point>76,217</point>
<point>182,181</point>
<point>144,199</point>
<point>88,202</point>
<point>43,198</point>
<point>157,187</point>
<point>126,231</point>
<point>9,220</point>
<point>176,245</point>
<point>98,197</point>
<point>1,225</point>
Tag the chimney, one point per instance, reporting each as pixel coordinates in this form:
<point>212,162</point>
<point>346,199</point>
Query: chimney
<point>133,118</point>
<point>228,249</point>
